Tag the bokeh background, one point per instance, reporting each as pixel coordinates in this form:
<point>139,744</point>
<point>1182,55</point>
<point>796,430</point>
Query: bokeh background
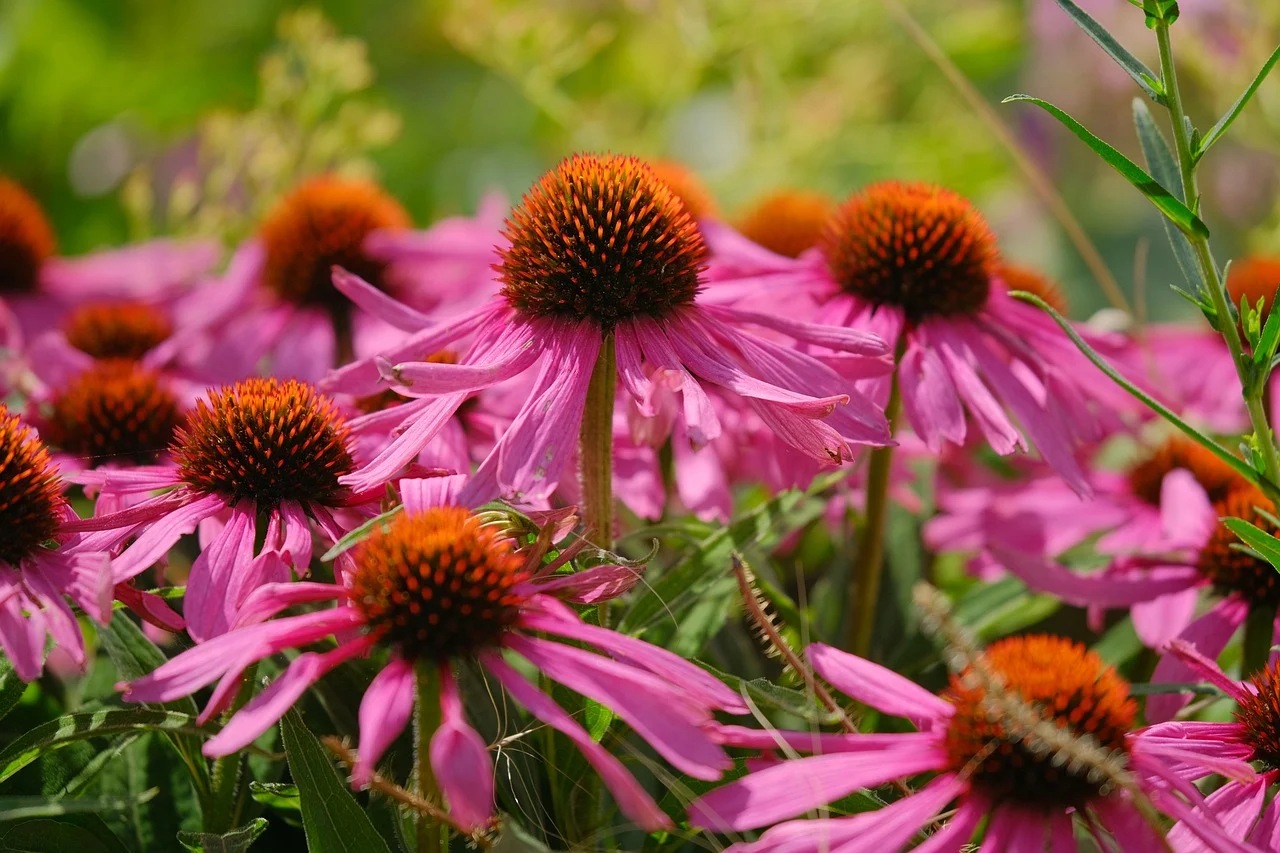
<point>130,118</point>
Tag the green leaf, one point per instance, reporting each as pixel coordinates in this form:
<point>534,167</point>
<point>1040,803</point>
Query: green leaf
<point>1236,464</point>
<point>73,728</point>
<point>1134,67</point>
<point>12,687</point>
<point>333,820</point>
<point>1177,212</point>
<point>597,718</point>
<point>277,795</point>
<point>21,808</point>
<point>1161,689</point>
<point>1164,168</point>
<point>66,834</point>
<point>1262,543</point>
<point>1215,133</point>
<point>235,841</point>
<point>1160,12</point>
<point>364,531</point>
<point>770,696</point>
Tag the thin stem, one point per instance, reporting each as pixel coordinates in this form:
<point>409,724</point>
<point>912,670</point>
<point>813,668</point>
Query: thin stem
<point>1208,269</point>
<point>221,811</point>
<point>868,566</point>
<point>433,836</point>
<point>596,449</point>
<point>1259,634</point>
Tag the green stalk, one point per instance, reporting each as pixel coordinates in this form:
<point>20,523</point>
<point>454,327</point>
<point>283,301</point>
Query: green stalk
<point>596,449</point>
<point>1259,631</point>
<point>221,811</point>
<point>1204,260</point>
<point>868,566</point>
<point>433,836</point>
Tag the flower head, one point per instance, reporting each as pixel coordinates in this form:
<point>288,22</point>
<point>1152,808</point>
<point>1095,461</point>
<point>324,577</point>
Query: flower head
<point>788,222</point>
<point>26,239</point>
<point>1019,277</point>
<point>31,502</point>
<point>915,246</point>
<point>116,410</point>
<point>324,222</point>
<point>116,329</point>
<point>603,238</point>
<point>687,186</point>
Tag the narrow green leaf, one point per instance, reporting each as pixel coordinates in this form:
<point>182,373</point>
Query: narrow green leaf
<point>364,531</point>
<point>72,728</point>
<point>278,795</point>
<point>1165,202</point>
<point>1215,133</point>
<point>1134,67</point>
<point>1236,464</point>
<point>1164,168</point>
<point>11,687</point>
<point>1162,689</point>
<point>235,841</point>
<point>333,820</point>
<point>21,808</point>
<point>770,696</point>
<point>1264,544</point>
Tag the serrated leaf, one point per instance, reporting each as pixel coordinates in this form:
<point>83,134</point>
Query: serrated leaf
<point>1134,67</point>
<point>235,841</point>
<point>74,728</point>
<point>360,533</point>
<point>22,808</point>
<point>1164,168</point>
<point>1177,212</point>
<point>334,822</point>
<point>1215,133</point>
<point>1263,544</point>
<point>1235,463</point>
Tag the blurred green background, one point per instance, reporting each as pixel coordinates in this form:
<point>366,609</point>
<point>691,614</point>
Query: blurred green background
<point>129,118</point>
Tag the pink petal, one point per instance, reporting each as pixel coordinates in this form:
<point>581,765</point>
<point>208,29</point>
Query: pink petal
<point>1016,830</point>
<point>378,303</point>
<point>1209,634</point>
<point>1236,807</point>
<point>876,686</point>
<point>1208,670</point>
<point>929,399</point>
<point>155,541</point>
<point>955,833</point>
<point>208,605</point>
<point>269,599</point>
<point>1099,589</point>
<point>631,796</point>
<point>1161,619</point>
<point>1186,515</point>
<point>596,584</point>
<point>792,787</point>
<point>659,712</point>
<point>422,494</point>
<point>401,451</point>
<point>984,407</point>
<point>514,354</point>
<point>384,712</point>
<point>460,760</point>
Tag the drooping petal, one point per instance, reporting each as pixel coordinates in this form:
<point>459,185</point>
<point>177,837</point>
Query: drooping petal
<point>161,535</point>
<point>1100,589</point>
<point>1209,634</point>
<point>384,712</point>
<point>793,787</point>
<point>593,585</point>
<point>404,447</point>
<point>207,604</point>
<point>460,760</point>
<point>876,686</point>
<point>955,833</point>
<point>634,801</point>
<point>424,493</point>
<point>379,303</point>
<point>1235,807</point>
<point>929,399</point>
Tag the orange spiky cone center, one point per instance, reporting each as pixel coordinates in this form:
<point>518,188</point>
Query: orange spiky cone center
<point>789,222</point>
<point>31,500</point>
<point>1260,717</point>
<point>266,440</point>
<point>438,584</point>
<point>1070,688</point>
<point>26,239</point>
<point>921,248</point>
<point>1232,569</point>
<point>116,329</point>
<point>601,237</point>
<point>1018,277</point>
<point>116,411</point>
<point>687,187</point>
<point>321,224</point>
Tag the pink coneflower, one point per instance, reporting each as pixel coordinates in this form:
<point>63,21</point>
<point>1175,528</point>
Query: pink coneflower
<point>38,286</point>
<point>1198,749</point>
<point>40,561</point>
<point>1131,516</point>
<point>917,264</point>
<point>602,252</point>
<point>1029,795</point>
<point>263,447</point>
<point>437,587</point>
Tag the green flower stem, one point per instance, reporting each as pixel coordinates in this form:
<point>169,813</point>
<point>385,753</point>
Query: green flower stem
<point>1204,260</point>
<point>1259,632</point>
<point>221,811</point>
<point>596,449</point>
<point>433,836</point>
<point>868,566</point>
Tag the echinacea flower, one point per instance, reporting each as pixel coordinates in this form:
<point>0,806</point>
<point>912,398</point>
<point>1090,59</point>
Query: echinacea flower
<point>918,265</point>
<point>601,251</point>
<point>262,448</point>
<point>988,763</point>
<point>40,560</point>
<point>37,286</point>
<point>438,587</point>
<point>1199,749</point>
